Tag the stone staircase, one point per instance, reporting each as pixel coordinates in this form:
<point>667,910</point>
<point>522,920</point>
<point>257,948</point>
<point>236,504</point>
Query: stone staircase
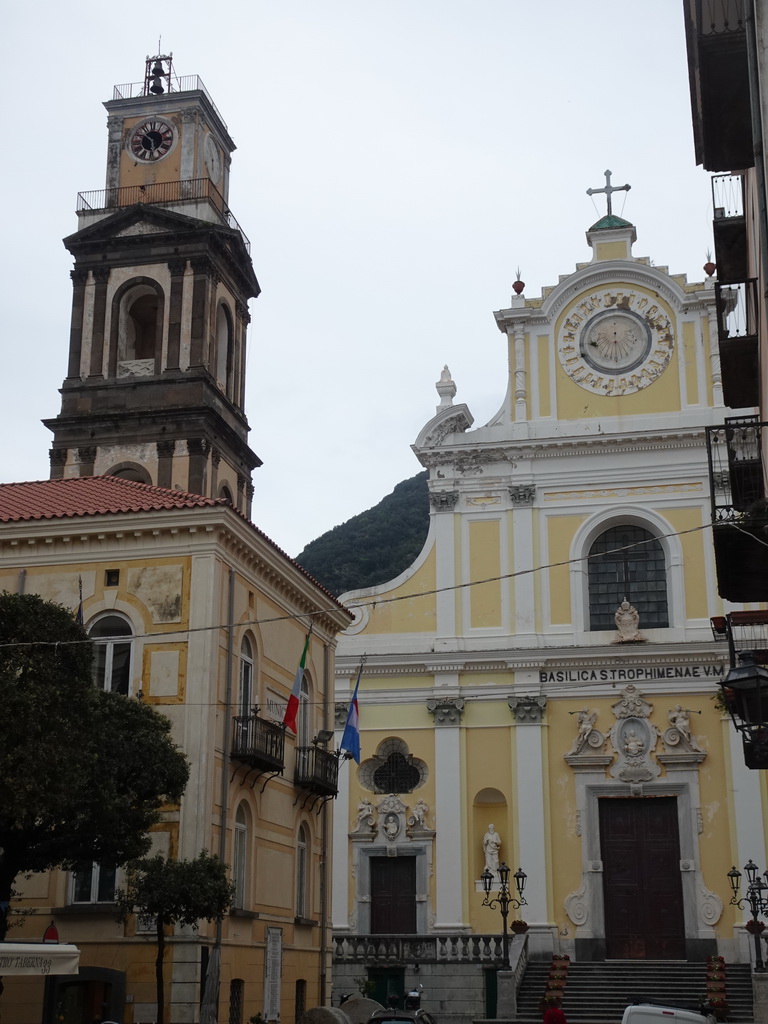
<point>597,993</point>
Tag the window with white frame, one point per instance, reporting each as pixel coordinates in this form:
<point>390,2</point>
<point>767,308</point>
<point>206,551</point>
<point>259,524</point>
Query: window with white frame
<point>112,648</point>
<point>94,883</point>
<point>246,677</point>
<point>240,857</point>
<point>302,872</point>
<point>627,561</point>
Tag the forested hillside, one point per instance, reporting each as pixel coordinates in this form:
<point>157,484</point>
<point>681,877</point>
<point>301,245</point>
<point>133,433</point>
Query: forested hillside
<point>374,546</point>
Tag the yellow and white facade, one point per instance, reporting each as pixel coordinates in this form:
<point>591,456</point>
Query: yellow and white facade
<point>165,581</point>
<point>498,670</point>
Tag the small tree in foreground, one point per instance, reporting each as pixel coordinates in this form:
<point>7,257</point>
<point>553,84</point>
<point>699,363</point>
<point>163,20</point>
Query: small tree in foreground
<point>83,773</point>
<point>175,892</point>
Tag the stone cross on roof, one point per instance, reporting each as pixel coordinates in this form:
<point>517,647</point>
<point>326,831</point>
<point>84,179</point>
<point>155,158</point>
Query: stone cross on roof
<point>608,190</point>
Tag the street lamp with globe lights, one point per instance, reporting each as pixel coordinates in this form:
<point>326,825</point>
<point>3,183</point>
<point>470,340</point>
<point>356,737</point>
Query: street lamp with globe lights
<point>756,898</point>
<point>504,900</point>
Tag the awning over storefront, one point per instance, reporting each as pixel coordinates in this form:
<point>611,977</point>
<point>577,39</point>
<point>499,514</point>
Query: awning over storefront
<point>38,958</point>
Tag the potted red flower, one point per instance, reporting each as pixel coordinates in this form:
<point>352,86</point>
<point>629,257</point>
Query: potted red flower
<point>518,927</point>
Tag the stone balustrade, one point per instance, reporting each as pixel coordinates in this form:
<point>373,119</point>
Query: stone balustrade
<point>419,949</point>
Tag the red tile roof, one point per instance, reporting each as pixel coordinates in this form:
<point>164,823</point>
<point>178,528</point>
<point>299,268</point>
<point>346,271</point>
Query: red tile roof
<point>102,495</point>
<point>90,496</point>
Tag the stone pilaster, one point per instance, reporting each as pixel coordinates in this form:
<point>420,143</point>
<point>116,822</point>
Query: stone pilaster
<point>175,304</point>
<point>79,281</point>
<point>58,460</point>
<point>101,277</point>
<point>165,450</point>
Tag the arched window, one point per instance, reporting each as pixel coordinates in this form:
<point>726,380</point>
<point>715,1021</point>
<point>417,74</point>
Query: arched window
<point>305,713</point>
<point>224,350</point>
<point>300,999</point>
<point>246,677</point>
<point>627,561</point>
<point>236,992</point>
<point>302,872</point>
<point>113,641</point>
<point>240,857</point>
<point>226,494</point>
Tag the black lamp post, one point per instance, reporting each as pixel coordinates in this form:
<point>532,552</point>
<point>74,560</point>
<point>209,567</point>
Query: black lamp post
<point>755,898</point>
<point>745,694</point>
<point>503,900</point>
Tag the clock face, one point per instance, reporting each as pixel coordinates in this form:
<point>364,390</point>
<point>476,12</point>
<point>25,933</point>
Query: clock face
<point>212,159</point>
<point>151,140</point>
<point>615,342</point>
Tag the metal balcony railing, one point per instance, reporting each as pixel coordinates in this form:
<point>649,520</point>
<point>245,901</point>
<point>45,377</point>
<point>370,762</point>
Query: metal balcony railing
<point>162,192</point>
<point>737,326</point>
<point>729,228</point>
<point>734,451</point>
<point>727,195</point>
<point>258,742</point>
<point>737,309</point>
<point>317,770</point>
<point>720,17</point>
<point>185,83</point>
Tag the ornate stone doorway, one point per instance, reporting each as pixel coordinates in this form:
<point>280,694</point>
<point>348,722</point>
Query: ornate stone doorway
<point>642,883</point>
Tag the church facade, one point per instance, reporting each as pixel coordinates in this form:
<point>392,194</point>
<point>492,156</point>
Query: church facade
<point>145,527</point>
<point>545,673</point>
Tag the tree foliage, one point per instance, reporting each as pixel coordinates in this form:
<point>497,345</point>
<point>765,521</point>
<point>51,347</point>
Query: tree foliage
<point>375,546</point>
<point>175,892</point>
<point>83,773</point>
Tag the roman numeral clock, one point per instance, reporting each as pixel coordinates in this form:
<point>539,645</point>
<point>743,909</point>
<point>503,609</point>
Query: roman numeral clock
<point>152,140</point>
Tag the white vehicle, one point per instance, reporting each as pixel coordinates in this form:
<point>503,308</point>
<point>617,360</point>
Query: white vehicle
<point>652,1013</point>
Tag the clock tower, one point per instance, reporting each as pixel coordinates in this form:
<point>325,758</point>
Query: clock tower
<point>155,385</point>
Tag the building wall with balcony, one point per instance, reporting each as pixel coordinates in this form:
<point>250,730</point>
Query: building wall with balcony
<point>506,680</point>
<point>167,576</point>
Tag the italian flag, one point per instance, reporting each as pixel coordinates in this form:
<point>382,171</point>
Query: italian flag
<point>292,708</point>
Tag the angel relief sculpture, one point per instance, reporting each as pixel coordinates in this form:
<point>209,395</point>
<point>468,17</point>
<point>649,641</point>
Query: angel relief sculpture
<point>588,735</point>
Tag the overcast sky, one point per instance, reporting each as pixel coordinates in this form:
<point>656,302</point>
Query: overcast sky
<point>396,162</point>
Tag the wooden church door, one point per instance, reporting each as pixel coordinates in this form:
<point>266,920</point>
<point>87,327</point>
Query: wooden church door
<point>642,887</point>
<point>393,895</point>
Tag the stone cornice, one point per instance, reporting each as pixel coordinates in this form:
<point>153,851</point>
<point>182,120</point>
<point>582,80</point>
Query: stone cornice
<point>692,652</point>
<point>477,455</point>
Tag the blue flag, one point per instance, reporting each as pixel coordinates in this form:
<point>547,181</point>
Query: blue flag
<point>350,741</point>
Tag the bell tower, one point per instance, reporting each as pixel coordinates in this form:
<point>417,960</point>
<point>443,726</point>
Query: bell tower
<point>155,384</point>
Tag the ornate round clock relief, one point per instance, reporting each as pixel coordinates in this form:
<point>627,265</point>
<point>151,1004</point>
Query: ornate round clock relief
<point>615,343</point>
<point>151,140</point>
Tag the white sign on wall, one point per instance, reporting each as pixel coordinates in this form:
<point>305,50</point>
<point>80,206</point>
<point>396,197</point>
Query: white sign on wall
<point>273,972</point>
<point>274,705</point>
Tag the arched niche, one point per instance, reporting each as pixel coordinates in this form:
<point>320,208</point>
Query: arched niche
<point>136,336</point>
<point>131,471</point>
<point>489,807</point>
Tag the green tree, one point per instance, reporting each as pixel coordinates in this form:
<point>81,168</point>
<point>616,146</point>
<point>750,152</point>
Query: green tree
<point>83,773</point>
<point>175,892</point>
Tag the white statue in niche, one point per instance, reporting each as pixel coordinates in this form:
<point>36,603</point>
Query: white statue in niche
<point>491,847</point>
